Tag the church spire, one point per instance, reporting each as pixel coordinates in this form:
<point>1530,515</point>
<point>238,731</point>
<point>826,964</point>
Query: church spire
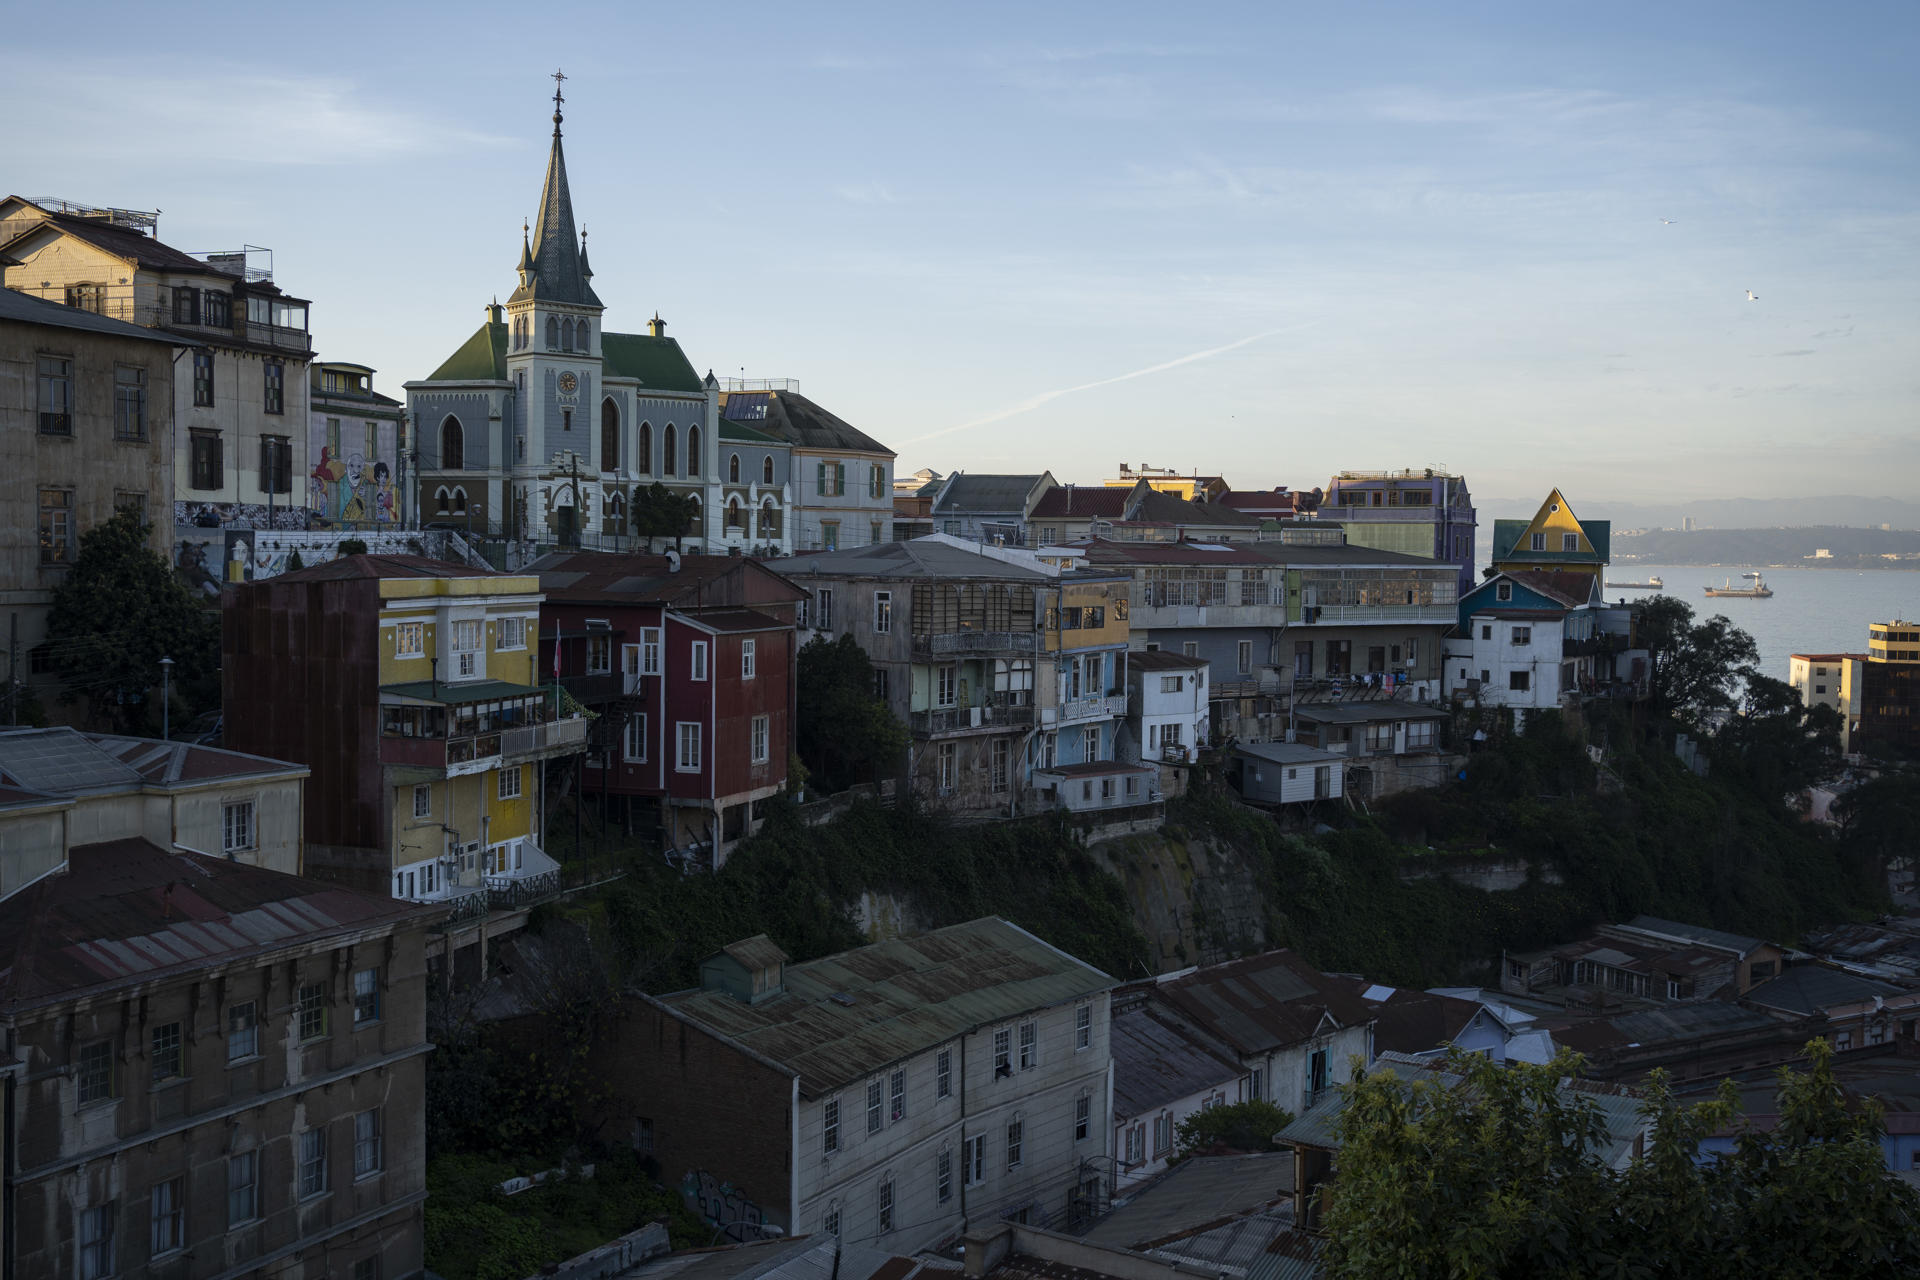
<point>557,262</point>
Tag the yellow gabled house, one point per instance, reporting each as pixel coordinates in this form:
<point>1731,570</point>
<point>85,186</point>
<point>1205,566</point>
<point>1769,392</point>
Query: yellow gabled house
<point>1555,539</point>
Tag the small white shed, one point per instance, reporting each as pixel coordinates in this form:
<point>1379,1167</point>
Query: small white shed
<point>1288,773</point>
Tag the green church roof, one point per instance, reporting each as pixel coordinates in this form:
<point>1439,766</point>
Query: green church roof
<point>482,358</point>
<point>656,363</point>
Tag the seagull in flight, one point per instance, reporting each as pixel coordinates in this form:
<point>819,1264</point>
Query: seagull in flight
<point>1752,296</point>
<point>1666,222</point>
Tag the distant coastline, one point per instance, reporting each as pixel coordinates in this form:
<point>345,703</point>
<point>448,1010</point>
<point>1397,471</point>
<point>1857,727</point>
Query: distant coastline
<point>1802,547</point>
<point>1874,564</point>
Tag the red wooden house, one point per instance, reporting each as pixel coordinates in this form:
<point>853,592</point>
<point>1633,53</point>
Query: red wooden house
<point>688,662</point>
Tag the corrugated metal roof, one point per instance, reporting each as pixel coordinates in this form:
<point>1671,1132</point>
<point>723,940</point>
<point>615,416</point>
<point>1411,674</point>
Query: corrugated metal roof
<point>1195,1196</point>
<point>1737,943</point>
<point>1263,1002</point>
<point>907,995</point>
<point>1155,1062</point>
<point>1814,988</point>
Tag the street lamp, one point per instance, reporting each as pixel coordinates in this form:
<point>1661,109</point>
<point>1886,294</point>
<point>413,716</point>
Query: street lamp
<point>166,698</point>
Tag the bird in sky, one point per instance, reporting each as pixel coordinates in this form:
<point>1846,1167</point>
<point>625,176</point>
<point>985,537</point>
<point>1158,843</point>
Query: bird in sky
<point>1666,222</point>
<point>1752,296</point>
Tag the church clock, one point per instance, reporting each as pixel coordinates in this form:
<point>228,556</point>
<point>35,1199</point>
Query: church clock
<point>567,383</point>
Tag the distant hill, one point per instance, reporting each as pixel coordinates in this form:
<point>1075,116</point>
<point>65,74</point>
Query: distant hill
<point>1725,513</point>
<point>1850,548</point>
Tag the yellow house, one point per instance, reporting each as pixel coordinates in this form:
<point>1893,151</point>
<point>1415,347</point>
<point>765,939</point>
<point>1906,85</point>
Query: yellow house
<point>1554,540</point>
<point>1194,488</point>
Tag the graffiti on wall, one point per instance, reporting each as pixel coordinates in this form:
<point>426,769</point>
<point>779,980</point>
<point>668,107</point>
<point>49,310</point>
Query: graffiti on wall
<point>349,490</point>
<point>722,1204</point>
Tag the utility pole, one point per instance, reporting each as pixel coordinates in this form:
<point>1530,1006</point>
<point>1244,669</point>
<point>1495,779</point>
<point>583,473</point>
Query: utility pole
<point>166,698</point>
<point>13,687</point>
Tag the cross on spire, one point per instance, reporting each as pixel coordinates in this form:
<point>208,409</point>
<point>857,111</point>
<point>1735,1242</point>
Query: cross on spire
<point>558,78</point>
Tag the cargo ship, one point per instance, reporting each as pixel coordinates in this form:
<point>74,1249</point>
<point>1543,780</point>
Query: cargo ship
<point>1651,584</point>
<point>1758,591</point>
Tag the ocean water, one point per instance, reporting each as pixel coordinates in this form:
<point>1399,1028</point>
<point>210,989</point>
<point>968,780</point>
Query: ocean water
<point>1812,610</point>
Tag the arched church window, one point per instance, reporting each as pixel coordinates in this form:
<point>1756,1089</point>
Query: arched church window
<point>733,468</point>
<point>440,499</point>
<point>695,526</point>
<point>453,452</point>
<point>643,455</point>
<point>733,514</point>
<point>459,502</point>
<point>769,520</point>
<point>668,457</point>
<point>609,436</point>
<point>566,334</point>
<point>553,333</point>
<point>766,469</point>
<point>693,451</point>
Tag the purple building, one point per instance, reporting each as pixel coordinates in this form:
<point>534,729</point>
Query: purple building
<point>1416,512</point>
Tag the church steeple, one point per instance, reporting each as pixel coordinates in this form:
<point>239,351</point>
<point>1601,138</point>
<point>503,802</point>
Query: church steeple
<point>557,273</point>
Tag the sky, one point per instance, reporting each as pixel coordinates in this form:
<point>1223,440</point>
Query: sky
<point>1269,241</point>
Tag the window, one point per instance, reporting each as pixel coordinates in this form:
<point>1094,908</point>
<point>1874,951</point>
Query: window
<point>896,1096</point>
<point>943,1175</point>
<point>466,648</point>
<point>873,534</point>
<point>1246,657</point>
<point>634,746</point>
<point>948,763</point>
<point>367,1268</point>
<point>830,1221</point>
<point>313,1011</point>
<point>823,609</point>
<point>510,633</point>
<point>1015,1130</point>
<point>366,997</point>
<point>830,535</point>
<point>1523,635</point>
<point>669,451</point>
<point>366,1144</point>
<point>766,469</point>
<point>313,1163</point>
<point>409,640</point>
<point>218,311</point>
<point>1082,1118</point>
<point>649,651</point>
<point>758,736</point>
<point>876,481</point>
<point>1003,1052</point>
<point>1136,1144</point>
<point>1002,755</point>
<point>56,396</point>
<point>1162,1133</point>
<point>276,464</point>
<point>243,1192</point>
<point>886,1205</point>
<point>689,755</point>
<point>830,479</point>
<point>242,1034</point>
<point>748,655</point>
<point>882,612</point>
<point>973,1160</point>
<point>453,445</point>
<point>164,1061</point>
<point>276,386</point>
<point>943,1074</point>
<point>56,526</point>
<point>423,800</point>
<point>1029,1051</point>
<point>882,683</point>
<point>1519,681</point>
<point>599,653</point>
<point>830,1126</point>
<point>168,1214</point>
<point>206,462</point>
<point>236,823</point>
<point>1190,648</point>
<point>1419,734</point>
<point>1569,542</point>
<point>509,788</point>
<point>129,403</point>
<point>947,687</point>
<point>693,451</point>
<point>96,1241</point>
<point>1083,1027</point>
<point>202,380</point>
<point>1090,743</point>
<point>876,1106</point>
<point>96,1072</point>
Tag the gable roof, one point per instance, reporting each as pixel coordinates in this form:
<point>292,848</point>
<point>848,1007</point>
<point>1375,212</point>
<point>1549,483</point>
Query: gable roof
<point>127,911</point>
<point>128,243</point>
<point>1408,1020</point>
<point>1597,534</point>
<point>652,362</point>
<point>1156,1061</point>
<point>844,1017</point>
<point>24,308</point>
<point>585,577</point>
<point>481,358</point>
<point>344,568</point>
<point>792,417</point>
<point>986,492</point>
<point>1262,1002</point>
<point>1170,508</point>
<point>1080,501</point>
<point>1815,988</point>
<point>1560,587</point>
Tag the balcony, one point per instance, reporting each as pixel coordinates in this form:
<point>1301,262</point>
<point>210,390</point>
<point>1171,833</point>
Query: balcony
<point>963,643</point>
<point>555,737</point>
<point>991,718</point>
<point>1096,707</point>
<point>1600,642</point>
<point>453,756</point>
<point>1333,615</point>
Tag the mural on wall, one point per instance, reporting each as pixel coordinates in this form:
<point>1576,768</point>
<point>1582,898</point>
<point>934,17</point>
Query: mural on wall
<point>722,1205</point>
<point>346,490</point>
<point>208,557</point>
<point>251,515</point>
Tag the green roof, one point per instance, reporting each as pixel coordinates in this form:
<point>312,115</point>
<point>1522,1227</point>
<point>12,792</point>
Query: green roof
<point>1506,539</point>
<point>731,430</point>
<point>482,358</point>
<point>653,362</point>
<point>458,694</point>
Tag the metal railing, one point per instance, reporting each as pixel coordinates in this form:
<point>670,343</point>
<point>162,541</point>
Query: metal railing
<point>553,735</point>
<point>964,719</point>
<point>965,642</point>
<point>1097,706</point>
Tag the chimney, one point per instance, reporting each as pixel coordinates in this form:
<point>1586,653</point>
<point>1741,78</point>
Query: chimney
<point>657,327</point>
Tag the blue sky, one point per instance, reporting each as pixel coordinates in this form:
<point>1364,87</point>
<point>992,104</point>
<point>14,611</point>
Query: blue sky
<point>1337,236</point>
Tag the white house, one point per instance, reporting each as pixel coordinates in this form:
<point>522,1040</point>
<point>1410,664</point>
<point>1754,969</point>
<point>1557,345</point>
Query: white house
<point>1163,1072</point>
<point>1534,640</point>
<point>1288,772</point>
<point>1167,714</point>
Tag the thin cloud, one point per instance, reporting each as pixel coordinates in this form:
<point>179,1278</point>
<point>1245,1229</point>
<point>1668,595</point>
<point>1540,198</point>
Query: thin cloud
<point>1046,397</point>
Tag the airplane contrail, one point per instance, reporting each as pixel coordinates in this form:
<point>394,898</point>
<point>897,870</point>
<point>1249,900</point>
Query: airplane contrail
<point>1034,402</point>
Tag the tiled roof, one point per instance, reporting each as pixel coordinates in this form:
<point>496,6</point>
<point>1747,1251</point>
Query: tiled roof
<point>127,911</point>
<point>1263,1002</point>
<point>481,358</point>
<point>657,363</point>
<point>27,309</point>
<point>597,576</point>
<point>1076,501</point>
<point>844,1017</point>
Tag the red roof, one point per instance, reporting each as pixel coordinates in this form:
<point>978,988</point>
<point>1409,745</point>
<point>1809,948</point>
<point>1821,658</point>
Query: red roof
<point>599,577</point>
<point>1069,501</point>
<point>1570,589</point>
<point>343,568</point>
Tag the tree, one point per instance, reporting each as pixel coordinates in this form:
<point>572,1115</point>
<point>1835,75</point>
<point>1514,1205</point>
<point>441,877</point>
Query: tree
<point>1697,667</point>
<point>845,733</point>
<point>120,610</point>
<point>1879,816</point>
<point>1777,744</point>
<point>1498,1171</point>
<point>1241,1126</point>
<point>660,512</point>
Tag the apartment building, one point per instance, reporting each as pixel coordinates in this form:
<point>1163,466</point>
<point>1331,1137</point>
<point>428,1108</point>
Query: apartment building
<point>1416,512</point>
<point>842,490</point>
<point>889,1096</point>
<point>1890,690</point>
<point>240,403</point>
<point>60,788</point>
<point>218,1070</point>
